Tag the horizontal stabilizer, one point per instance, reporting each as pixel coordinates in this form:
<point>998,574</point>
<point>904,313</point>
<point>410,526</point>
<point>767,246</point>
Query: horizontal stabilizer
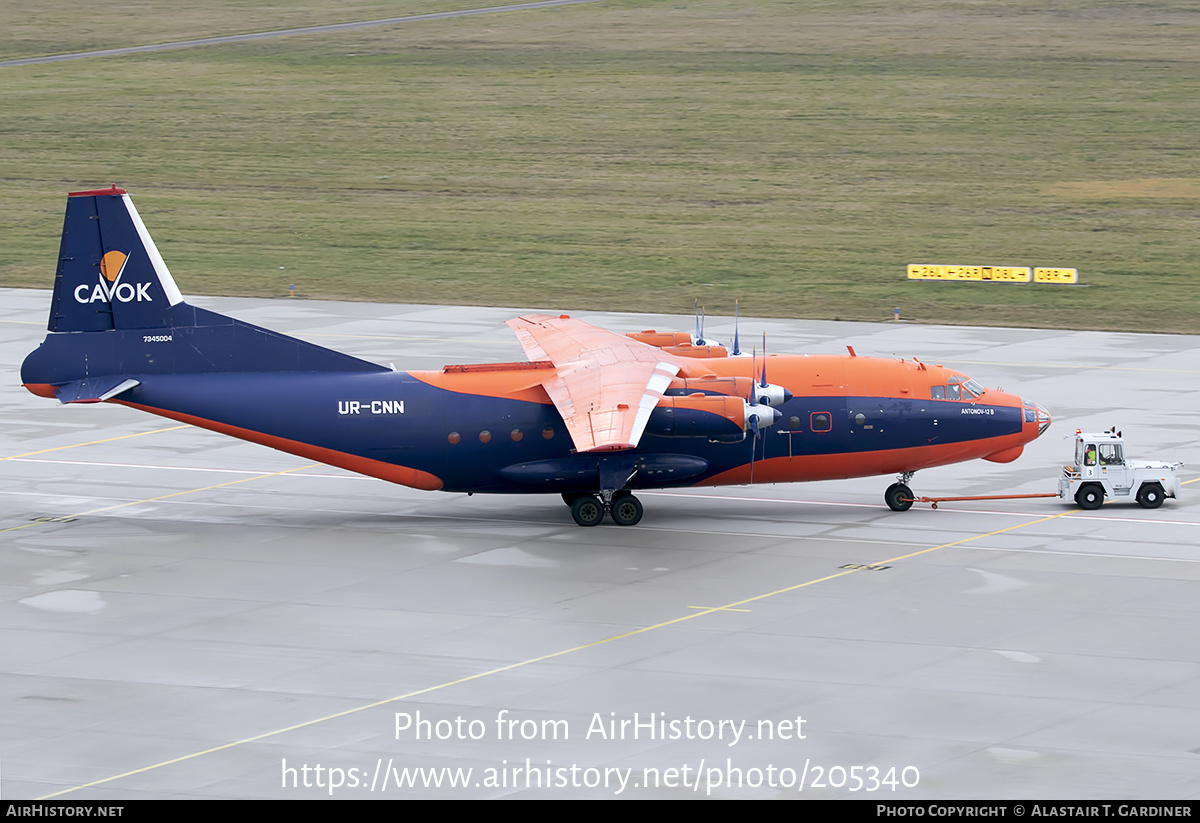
<point>95,389</point>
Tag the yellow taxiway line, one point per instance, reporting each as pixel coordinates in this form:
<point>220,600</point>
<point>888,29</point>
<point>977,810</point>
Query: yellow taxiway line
<point>701,612</point>
<point>95,442</point>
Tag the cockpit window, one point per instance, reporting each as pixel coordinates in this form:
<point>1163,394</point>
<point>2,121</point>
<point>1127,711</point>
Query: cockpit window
<point>957,388</point>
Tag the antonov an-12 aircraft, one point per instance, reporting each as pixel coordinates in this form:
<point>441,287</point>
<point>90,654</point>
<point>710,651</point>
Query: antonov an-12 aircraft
<point>593,415</point>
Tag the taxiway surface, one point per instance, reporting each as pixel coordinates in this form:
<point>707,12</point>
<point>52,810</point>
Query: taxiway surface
<point>185,615</point>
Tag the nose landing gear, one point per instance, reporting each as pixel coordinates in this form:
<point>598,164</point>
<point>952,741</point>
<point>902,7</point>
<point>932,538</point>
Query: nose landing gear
<point>899,496</point>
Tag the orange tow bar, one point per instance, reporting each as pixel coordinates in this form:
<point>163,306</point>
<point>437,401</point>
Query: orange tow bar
<point>936,500</point>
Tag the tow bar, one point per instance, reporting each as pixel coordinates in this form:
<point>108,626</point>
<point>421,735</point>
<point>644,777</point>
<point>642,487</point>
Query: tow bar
<point>936,500</point>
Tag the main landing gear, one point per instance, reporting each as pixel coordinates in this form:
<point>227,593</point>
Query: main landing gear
<point>899,496</point>
<point>589,509</point>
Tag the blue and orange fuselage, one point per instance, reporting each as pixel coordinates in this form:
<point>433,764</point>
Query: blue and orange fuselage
<point>466,431</point>
<point>591,411</point>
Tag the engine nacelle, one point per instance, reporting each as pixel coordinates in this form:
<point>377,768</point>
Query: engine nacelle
<point>688,350</point>
<point>661,339</point>
<point>722,418</point>
<point>769,395</point>
<point>711,384</point>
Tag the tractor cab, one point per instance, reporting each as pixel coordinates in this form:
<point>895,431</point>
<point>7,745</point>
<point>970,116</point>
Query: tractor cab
<point>1101,455</point>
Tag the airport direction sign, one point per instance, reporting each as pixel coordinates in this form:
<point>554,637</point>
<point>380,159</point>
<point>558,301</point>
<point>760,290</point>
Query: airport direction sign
<point>1001,274</point>
<point>1056,276</point>
<point>1007,274</point>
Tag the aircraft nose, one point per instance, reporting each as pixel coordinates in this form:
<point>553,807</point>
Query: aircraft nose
<point>1043,418</point>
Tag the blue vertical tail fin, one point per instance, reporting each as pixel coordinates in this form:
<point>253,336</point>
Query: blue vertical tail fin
<point>117,313</point>
<point>110,274</point>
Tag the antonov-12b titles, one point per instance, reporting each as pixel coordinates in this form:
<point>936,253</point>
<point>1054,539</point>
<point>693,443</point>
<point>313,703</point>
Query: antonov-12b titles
<point>593,415</point>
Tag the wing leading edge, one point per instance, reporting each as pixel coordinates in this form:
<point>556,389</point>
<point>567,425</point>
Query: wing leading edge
<point>604,385</point>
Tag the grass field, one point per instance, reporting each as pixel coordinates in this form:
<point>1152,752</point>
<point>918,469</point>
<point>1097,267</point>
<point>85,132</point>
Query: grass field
<point>631,154</point>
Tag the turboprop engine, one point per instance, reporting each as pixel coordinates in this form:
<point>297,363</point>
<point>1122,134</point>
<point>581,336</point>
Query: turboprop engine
<point>764,395</point>
<point>722,418</point>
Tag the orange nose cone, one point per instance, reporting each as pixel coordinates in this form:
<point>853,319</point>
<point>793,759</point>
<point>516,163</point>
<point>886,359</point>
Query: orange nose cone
<point>1006,456</point>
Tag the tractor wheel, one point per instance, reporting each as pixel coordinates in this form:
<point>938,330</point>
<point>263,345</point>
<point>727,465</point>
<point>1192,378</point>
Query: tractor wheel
<point>1150,496</point>
<point>1090,496</point>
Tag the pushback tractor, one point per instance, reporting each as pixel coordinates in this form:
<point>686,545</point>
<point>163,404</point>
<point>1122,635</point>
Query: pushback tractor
<point>1101,471</point>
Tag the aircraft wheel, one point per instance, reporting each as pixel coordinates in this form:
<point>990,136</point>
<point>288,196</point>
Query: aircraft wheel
<point>1091,496</point>
<point>626,510</point>
<point>899,497</point>
<point>587,510</point>
<point>1150,496</point>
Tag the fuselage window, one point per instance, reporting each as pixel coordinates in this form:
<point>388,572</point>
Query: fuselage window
<point>819,421</point>
<point>485,436</point>
<point>453,437</point>
<point>793,423</point>
<point>952,392</point>
<point>516,435</point>
<point>548,433</point>
<point>938,392</point>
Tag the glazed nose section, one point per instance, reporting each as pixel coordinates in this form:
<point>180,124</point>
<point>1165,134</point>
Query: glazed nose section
<point>1035,416</point>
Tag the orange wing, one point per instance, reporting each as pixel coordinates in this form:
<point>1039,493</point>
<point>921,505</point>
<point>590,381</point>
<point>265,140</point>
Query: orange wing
<point>604,384</point>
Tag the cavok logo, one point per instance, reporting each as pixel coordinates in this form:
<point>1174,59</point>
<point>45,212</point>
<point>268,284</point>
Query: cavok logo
<point>112,266</point>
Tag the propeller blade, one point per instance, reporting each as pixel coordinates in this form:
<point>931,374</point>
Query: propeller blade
<point>755,429</point>
<point>753,447</point>
<point>736,351</point>
<point>764,372</point>
<point>753,369</point>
